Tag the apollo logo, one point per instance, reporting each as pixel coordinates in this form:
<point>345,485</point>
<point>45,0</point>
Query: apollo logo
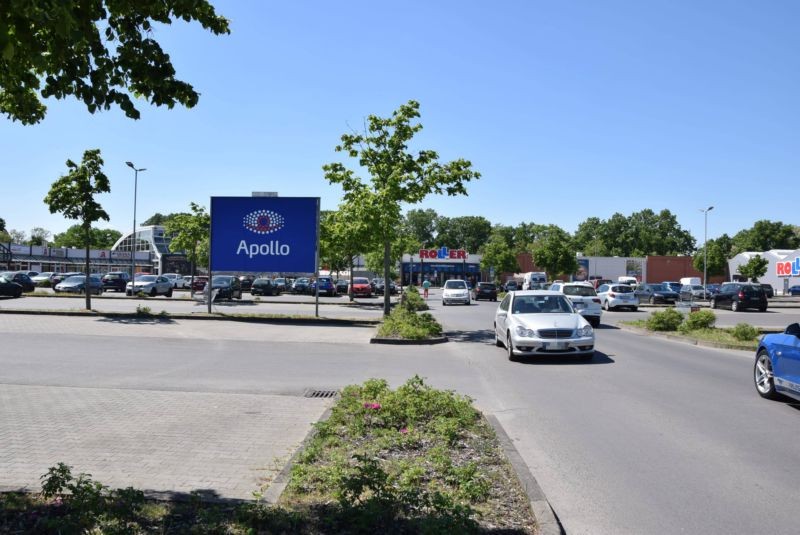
<point>263,221</point>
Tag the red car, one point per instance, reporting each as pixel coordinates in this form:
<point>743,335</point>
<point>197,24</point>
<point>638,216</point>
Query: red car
<point>200,282</point>
<point>361,287</point>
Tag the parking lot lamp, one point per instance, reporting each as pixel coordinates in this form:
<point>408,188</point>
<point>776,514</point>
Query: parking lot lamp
<point>705,249</point>
<point>133,236</point>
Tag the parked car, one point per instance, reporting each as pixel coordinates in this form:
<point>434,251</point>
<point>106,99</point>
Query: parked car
<point>246,282</point>
<point>380,285</point>
<point>326,286</point>
<point>361,287</point>
<point>673,285</point>
<point>341,286</point>
<point>511,286</point>
<point>77,284</point>
<point>455,291</point>
<point>187,281</point>
<point>151,285</point>
<point>740,296</point>
<point>9,287</point>
<point>58,277</point>
<point>263,286</point>
<point>794,290</point>
<point>281,284</point>
<point>176,280</point>
<point>777,368</point>
<point>656,293</point>
<point>690,292</point>
<point>301,285</point>
<point>614,296</point>
<point>540,323</point>
<point>115,280</point>
<point>21,278</point>
<point>228,286</point>
<point>485,290</point>
<point>584,299</point>
<point>769,290</point>
<point>42,277</point>
<point>712,288</point>
<point>200,282</point>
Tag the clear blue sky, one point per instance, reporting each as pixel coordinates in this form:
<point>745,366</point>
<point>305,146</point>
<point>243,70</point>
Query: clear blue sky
<point>568,109</point>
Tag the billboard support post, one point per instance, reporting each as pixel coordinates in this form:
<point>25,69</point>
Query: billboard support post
<point>316,266</point>
<point>210,234</point>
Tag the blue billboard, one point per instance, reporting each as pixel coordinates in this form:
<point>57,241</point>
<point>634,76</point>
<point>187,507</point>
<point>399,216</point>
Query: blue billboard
<point>264,234</point>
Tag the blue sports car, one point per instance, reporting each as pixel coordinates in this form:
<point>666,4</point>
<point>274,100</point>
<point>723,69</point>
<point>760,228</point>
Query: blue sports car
<point>777,368</point>
<point>794,290</point>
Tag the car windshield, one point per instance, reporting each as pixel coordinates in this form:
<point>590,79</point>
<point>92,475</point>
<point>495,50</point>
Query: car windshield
<point>360,280</point>
<point>579,290</point>
<point>302,281</point>
<point>146,278</point>
<point>486,286</point>
<point>455,285</point>
<point>113,275</point>
<point>280,281</point>
<point>622,289</point>
<point>225,279</point>
<point>75,279</point>
<point>659,288</point>
<point>324,279</point>
<point>696,287</point>
<point>541,304</point>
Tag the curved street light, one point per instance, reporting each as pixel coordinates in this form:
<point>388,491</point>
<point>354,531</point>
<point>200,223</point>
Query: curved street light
<point>133,236</point>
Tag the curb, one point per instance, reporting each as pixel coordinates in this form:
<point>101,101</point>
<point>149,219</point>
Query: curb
<point>546,520</point>
<point>282,320</point>
<point>680,338</point>
<point>407,342</point>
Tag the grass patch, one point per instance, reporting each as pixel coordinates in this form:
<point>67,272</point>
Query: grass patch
<point>407,324</point>
<point>410,460</point>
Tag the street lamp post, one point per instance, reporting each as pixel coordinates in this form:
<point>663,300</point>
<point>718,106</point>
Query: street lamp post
<point>705,249</point>
<point>133,236</point>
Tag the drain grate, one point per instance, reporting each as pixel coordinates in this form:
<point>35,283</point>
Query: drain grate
<point>320,393</point>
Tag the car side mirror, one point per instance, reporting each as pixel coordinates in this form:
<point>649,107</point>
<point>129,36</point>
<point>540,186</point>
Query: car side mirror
<point>793,329</point>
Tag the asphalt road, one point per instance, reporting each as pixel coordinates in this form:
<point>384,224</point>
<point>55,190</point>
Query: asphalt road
<point>652,436</point>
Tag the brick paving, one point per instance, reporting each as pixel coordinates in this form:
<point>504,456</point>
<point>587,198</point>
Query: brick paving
<point>223,445</point>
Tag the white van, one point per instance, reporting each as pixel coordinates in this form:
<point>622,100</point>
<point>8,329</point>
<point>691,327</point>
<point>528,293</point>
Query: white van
<point>623,279</point>
<point>691,281</point>
<point>533,277</point>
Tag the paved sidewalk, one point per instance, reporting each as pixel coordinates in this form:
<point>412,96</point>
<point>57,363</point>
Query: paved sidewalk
<point>223,445</point>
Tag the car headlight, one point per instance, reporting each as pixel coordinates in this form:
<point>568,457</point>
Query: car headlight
<point>525,333</point>
<point>586,330</point>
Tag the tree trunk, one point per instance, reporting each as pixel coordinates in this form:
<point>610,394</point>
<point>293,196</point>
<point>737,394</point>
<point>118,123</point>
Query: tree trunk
<point>87,284</point>
<point>387,253</point>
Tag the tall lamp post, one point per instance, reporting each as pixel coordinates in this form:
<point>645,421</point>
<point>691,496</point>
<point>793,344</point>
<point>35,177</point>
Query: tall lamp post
<point>705,249</point>
<point>133,236</point>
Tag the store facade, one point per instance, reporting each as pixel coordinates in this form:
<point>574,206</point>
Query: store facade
<point>61,259</point>
<point>440,264</point>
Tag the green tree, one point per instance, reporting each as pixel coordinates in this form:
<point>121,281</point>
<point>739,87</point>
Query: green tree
<point>39,236</point>
<point>160,219</point>
<point>18,236</point>
<point>765,235</point>
<point>499,256</point>
<point>2,225</point>
<point>504,232</point>
<point>717,259</point>
<point>755,268</point>
<point>466,232</point>
<point>589,237</point>
<point>73,196</point>
<point>348,234</point>
<point>526,234</point>
<point>555,253</point>
<point>5,237</point>
<point>75,236</point>
<point>397,176</point>
<point>100,52</point>
<point>421,224</point>
<point>190,234</point>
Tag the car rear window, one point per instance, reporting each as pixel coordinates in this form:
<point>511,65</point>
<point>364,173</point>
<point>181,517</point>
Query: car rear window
<point>581,291</point>
<point>622,289</point>
<point>752,291</point>
<point>486,286</point>
<point>360,280</point>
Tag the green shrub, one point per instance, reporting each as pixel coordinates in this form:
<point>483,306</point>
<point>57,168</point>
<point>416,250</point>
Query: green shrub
<point>143,310</point>
<point>44,284</point>
<point>702,319</point>
<point>667,320</point>
<point>411,299</point>
<point>404,323</point>
<point>744,332</point>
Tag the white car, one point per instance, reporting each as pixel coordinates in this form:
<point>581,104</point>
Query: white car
<point>151,285</point>
<point>41,277</point>
<point>176,280</point>
<point>540,323</point>
<point>614,295</point>
<point>584,299</point>
<point>455,291</point>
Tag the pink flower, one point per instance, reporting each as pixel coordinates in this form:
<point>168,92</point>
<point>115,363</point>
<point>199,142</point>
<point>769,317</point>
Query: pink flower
<point>374,406</point>
<point>404,430</point>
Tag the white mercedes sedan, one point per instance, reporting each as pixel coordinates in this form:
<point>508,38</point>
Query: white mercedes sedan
<point>539,323</point>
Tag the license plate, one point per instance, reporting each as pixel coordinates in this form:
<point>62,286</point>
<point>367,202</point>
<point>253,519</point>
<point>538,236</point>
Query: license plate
<point>554,345</point>
<point>579,306</point>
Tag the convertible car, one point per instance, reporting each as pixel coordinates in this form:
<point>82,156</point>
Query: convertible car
<point>777,368</point>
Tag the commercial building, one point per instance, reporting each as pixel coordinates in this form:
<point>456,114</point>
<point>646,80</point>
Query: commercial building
<point>783,270</point>
<point>440,264</point>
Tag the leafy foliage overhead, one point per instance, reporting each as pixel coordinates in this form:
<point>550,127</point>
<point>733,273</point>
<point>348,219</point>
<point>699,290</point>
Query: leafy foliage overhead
<point>75,236</point>
<point>765,235</point>
<point>755,268</point>
<point>190,233</point>
<point>101,52</point>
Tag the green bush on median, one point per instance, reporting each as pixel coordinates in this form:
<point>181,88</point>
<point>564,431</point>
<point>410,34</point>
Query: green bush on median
<point>411,300</point>
<point>744,332</point>
<point>407,324</point>
<point>666,320</point>
<point>695,321</point>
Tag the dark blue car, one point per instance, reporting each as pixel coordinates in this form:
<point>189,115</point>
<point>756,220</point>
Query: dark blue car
<point>777,368</point>
<point>794,290</point>
<point>326,286</point>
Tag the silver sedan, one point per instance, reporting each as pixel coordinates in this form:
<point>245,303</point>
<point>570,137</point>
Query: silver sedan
<point>151,285</point>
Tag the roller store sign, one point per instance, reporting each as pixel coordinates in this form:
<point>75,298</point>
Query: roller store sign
<point>788,269</point>
<point>264,234</point>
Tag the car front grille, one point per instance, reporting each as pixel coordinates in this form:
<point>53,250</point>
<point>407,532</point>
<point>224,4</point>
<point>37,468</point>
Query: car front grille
<point>555,333</point>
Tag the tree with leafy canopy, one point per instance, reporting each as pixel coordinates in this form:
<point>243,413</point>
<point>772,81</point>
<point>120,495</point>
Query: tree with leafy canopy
<point>73,196</point>
<point>347,234</point>
<point>397,176</point>
<point>18,236</point>
<point>717,259</point>
<point>2,225</point>
<point>555,252</point>
<point>765,235</point>
<point>190,234</point>
<point>75,236</point>
<point>466,232</point>
<point>422,225</point>
<point>755,268</point>
<point>101,52</point>
<point>39,236</point>
<point>498,255</point>
<point>525,234</point>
